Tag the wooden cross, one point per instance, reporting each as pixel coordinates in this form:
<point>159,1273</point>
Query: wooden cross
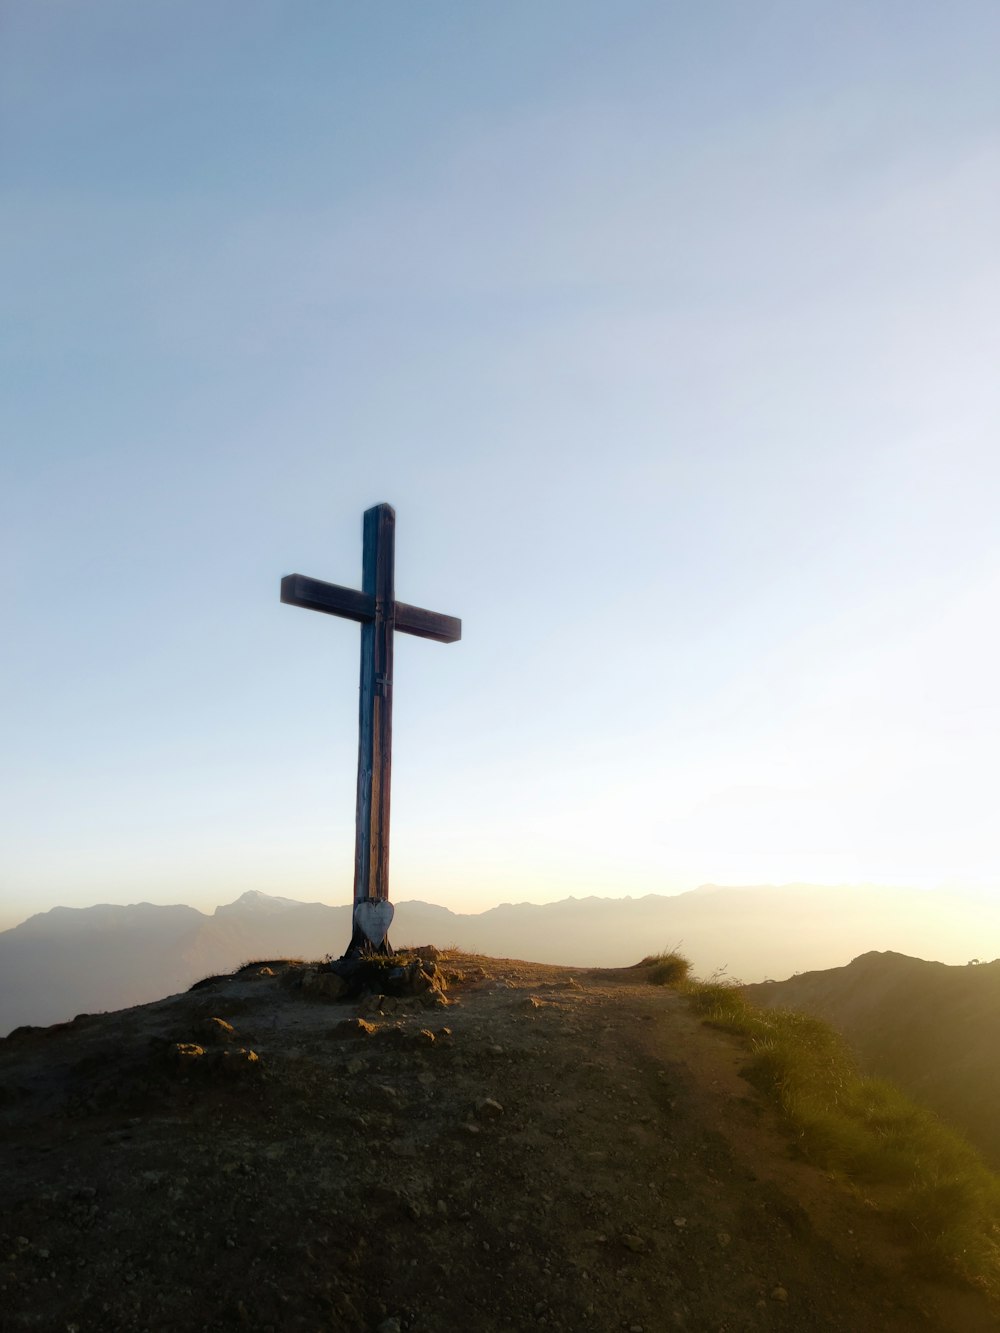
<point>375,606</point>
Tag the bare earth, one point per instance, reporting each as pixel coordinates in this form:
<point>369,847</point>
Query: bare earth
<point>552,1150</point>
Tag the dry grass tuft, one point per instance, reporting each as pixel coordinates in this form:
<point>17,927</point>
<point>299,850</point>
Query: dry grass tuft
<point>669,968</point>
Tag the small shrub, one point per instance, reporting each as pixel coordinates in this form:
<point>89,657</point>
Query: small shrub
<point>669,968</point>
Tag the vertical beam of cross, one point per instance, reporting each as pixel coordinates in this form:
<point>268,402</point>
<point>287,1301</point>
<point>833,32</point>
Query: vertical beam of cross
<point>380,616</point>
<point>371,847</point>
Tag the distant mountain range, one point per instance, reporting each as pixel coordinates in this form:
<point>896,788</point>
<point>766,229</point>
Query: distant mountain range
<point>72,960</point>
<point>932,1029</point>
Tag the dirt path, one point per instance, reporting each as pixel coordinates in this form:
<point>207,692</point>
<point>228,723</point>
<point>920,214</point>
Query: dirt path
<point>554,1150</point>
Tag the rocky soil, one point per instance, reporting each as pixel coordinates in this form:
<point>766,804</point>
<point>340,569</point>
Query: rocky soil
<point>514,1147</point>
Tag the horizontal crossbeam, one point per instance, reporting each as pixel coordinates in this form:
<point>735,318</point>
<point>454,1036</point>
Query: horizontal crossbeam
<point>334,600</point>
<point>427,624</point>
<point>298,590</point>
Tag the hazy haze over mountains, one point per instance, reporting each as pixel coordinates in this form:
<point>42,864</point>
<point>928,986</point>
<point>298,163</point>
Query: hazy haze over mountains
<point>72,960</point>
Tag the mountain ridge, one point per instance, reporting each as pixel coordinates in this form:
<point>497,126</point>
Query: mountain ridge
<point>68,960</point>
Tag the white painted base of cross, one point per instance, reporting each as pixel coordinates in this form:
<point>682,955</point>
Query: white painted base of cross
<point>373,917</point>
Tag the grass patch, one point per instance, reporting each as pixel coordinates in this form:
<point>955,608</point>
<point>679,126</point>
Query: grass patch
<point>251,963</point>
<point>666,969</point>
<point>868,1130</point>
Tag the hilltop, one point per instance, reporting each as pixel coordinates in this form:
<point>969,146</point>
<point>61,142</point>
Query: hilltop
<point>516,1146</point>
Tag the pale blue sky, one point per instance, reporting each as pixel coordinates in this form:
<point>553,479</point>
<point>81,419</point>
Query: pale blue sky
<point>672,333</point>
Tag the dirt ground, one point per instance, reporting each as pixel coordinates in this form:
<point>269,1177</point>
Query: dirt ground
<point>548,1149</point>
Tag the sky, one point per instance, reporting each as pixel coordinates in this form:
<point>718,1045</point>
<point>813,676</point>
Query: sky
<point>671,332</point>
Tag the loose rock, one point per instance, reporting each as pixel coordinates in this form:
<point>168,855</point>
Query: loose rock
<point>353,1027</point>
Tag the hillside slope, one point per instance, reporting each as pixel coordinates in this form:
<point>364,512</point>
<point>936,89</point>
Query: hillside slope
<point>103,957</point>
<point>931,1028</point>
<point>550,1149</point>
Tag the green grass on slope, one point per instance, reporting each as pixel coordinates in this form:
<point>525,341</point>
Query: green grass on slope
<point>865,1128</point>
